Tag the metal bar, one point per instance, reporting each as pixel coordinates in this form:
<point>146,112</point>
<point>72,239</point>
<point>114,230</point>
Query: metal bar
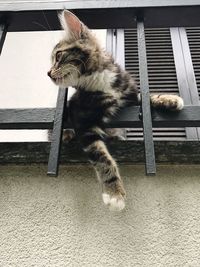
<point>109,41</point>
<point>146,110</point>
<point>57,133</point>
<point>182,77</point>
<point>120,51</point>
<point>39,118</point>
<point>188,117</point>
<point>120,59</point>
<point>3,31</point>
<point>113,17</point>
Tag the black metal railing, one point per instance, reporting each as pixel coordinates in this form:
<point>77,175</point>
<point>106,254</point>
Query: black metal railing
<point>116,15</point>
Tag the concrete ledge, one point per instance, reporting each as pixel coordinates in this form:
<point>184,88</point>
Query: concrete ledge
<point>123,151</point>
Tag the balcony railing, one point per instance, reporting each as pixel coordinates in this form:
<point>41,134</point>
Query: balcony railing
<point>116,14</point>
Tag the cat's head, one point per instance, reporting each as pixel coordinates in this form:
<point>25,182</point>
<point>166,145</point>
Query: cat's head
<point>77,54</point>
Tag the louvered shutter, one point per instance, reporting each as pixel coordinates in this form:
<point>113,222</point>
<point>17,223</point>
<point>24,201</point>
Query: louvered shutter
<point>193,35</point>
<point>162,72</point>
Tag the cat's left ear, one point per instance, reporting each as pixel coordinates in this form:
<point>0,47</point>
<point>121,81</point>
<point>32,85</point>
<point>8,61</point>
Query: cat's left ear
<point>71,24</point>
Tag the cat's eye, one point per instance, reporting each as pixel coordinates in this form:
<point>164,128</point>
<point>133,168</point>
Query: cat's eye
<point>58,55</point>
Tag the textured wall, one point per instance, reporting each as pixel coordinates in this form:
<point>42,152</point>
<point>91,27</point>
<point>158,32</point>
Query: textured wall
<point>58,222</point>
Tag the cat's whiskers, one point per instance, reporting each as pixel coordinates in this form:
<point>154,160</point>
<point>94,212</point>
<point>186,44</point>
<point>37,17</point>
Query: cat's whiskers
<point>48,28</point>
<point>57,71</point>
<point>56,74</point>
<point>39,24</point>
<point>74,68</point>
<point>70,78</point>
<point>46,20</point>
<point>45,17</point>
<point>62,80</point>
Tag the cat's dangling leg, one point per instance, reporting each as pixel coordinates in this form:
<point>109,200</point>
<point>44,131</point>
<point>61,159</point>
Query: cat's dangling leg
<point>167,101</point>
<point>113,192</point>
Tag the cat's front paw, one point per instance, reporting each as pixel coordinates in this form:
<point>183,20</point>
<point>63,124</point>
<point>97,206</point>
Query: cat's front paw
<point>114,202</point>
<point>166,101</point>
<point>114,194</point>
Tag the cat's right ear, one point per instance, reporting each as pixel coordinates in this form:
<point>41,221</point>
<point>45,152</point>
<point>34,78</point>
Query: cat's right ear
<point>71,24</point>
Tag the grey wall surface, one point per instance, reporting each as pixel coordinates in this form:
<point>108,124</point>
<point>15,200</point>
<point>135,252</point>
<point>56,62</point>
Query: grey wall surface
<point>58,222</point>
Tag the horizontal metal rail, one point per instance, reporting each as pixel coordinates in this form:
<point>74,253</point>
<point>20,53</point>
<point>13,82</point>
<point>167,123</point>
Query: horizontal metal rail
<point>188,117</point>
<point>37,118</point>
<point>117,14</point>
<point>43,118</point>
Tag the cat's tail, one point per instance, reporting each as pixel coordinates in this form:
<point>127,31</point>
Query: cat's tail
<point>165,101</point>
<point>113,192</point>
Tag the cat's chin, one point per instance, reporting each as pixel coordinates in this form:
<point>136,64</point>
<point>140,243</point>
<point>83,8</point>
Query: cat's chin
<point>65,82</point>
<point>62,84</point>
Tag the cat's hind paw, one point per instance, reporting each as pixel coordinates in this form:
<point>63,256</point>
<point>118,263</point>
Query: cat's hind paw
<point>68,135</point>
<point>114,202</point>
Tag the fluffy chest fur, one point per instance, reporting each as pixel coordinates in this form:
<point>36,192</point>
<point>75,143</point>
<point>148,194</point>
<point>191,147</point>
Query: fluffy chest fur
<point>98,81</point>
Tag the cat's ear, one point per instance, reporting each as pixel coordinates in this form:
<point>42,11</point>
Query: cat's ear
<point>71,24</point>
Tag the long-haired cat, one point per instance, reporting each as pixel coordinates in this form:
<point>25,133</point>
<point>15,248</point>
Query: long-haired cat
<point>102,88</point>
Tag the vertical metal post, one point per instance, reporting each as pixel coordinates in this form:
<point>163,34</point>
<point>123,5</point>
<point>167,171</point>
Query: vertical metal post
<point>54,154</point>
<point>145,96</point>
<point>3,31</point>
<point>110,42</point>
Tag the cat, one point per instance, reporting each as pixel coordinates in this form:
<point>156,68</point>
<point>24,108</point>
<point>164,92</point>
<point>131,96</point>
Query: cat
<point>102,88</point>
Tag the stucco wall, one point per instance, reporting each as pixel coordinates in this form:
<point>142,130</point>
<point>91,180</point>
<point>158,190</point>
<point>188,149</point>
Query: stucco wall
<point>58,222</point>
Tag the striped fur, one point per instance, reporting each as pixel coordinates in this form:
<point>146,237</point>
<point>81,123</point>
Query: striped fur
<point>103,88</point>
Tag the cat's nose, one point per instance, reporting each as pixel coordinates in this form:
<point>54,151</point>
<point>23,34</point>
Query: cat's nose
<point>49,73</point>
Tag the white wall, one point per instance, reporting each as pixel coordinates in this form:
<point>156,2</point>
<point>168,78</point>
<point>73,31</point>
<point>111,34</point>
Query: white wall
<point>62,222</point>
<point>24,63</point>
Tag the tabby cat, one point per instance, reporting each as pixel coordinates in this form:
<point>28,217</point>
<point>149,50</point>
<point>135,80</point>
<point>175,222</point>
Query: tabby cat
<point>102,88</point>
